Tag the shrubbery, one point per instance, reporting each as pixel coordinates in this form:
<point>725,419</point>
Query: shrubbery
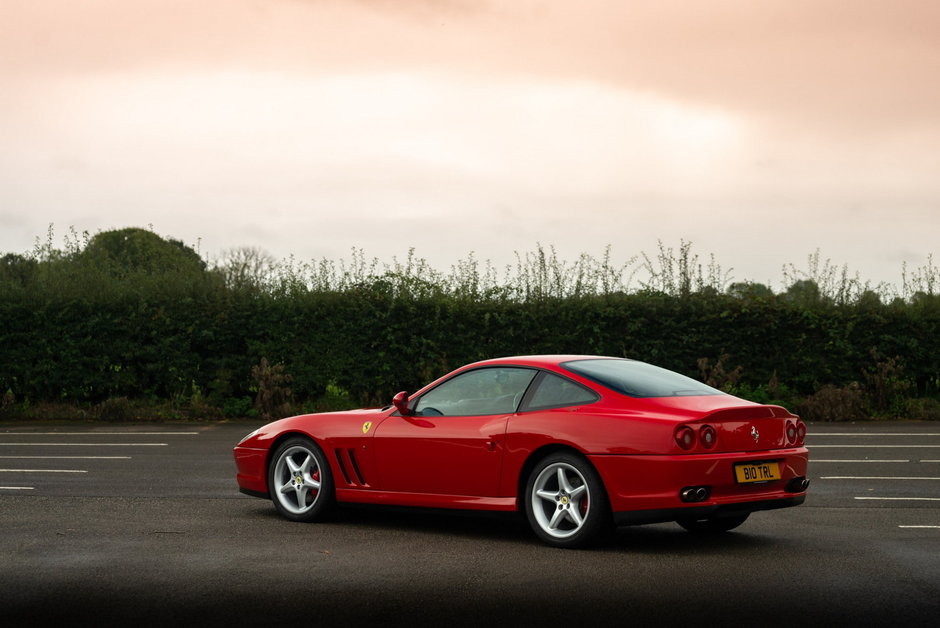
<point>127,324</point>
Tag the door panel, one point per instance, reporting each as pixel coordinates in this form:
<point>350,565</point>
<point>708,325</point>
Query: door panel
<point>447,455</point>
<point>453,443</point>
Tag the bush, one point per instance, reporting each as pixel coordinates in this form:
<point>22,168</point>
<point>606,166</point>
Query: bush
<point>887,386</point>
<point>274,397</point>
<point>116,409</point>
<point>238,408</point>
<point>830,403</point>
<point>772,393</point>
<point>49,411</point>
<point>924,409</point>
<point>7,402</point>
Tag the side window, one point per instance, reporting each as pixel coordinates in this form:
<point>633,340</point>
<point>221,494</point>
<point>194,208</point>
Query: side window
<point>478,392</point>
<point>557,392</point>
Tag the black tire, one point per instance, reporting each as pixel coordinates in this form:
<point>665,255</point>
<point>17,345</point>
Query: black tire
<point>299,481</point>
<point>565,501</point>
<point>714,525</point>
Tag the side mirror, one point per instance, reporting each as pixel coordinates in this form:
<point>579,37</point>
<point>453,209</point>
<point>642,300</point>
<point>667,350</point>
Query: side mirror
<point>400,401</point>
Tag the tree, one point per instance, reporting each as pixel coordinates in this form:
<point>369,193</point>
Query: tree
<point>750,290</point>
<point>123,252</point>
<point>17,270</point>
<point>804,292</point>
<point>869,300</point>
<point>246,267</point>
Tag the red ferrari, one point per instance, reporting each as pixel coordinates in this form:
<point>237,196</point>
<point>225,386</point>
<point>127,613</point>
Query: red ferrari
<point>580,444</point>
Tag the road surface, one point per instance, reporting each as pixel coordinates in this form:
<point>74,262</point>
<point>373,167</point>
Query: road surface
<point>143,523</point>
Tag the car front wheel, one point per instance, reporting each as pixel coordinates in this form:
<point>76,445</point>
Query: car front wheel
<point>299,481</point>
<point>565,501</point>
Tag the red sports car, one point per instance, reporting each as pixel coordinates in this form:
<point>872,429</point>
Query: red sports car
<point>578,443</point>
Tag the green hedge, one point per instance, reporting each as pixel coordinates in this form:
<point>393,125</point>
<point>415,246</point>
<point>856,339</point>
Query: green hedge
<point>77,331</point>
<point>373,344</point>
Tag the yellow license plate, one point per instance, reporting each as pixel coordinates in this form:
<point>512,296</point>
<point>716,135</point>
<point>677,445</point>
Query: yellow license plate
<point>756,472</point>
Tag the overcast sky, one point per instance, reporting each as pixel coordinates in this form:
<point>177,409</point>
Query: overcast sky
<point>759,130</point>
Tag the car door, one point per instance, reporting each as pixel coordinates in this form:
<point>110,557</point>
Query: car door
<point>453,442</point>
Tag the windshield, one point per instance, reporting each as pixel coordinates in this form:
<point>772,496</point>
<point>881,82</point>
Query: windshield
<point>639,379</point>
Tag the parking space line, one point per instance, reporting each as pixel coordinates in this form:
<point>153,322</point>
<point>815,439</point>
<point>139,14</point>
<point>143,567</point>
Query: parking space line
<point>873,434</point>
<point>900,499</point>
<point>16,488</point>
<point>43,471</point>
<point>811,447</point>
<point>83,444</point>
<point>922,527</point>
<point>67,457</point>
<point>99,433</point>
<point>873,477</point>
<point>814,460</point>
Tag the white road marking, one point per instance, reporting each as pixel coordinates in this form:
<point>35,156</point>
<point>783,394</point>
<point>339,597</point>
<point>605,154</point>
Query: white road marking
<point>928,527</point>
<point>930,460</point>
<point>901,499</point>
<point>83,444</point>
<point>873,434</point>
<point>815,461</point>
<point>16,488</point>
<point>873,477</point>
<point>68,457</point>
<point>99,433</point>
<point>43,471</point>
<point>811,447</point>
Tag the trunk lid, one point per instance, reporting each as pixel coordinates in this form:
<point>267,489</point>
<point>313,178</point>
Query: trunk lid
<point>750,428</point>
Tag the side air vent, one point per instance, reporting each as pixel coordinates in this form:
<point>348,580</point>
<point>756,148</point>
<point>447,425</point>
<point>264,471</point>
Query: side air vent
<point>349,467</point>
<point>339,453</point>
<point>355,466</point>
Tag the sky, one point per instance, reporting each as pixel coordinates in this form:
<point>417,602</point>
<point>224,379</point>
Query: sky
<point>759,131</point>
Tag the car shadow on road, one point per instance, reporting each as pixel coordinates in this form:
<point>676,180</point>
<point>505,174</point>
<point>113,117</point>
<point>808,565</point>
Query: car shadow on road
<point>669,537</point>
<point>493,527</point>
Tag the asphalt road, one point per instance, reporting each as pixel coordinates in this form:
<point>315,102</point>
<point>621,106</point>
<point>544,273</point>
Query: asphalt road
<point>143,524</point>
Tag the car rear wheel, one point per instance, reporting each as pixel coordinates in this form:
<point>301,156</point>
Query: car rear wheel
<point>713,525</point>
<point>565,501</point>
<point>299,481</point>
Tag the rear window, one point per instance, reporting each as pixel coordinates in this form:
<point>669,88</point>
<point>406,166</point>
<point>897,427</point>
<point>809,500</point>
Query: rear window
<point>639,379</point>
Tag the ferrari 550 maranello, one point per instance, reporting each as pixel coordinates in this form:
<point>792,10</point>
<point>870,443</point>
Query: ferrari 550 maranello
<point>579,444</point>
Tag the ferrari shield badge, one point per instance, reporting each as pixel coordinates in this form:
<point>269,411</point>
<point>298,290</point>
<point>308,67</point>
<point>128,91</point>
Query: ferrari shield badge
<point>366,427</point>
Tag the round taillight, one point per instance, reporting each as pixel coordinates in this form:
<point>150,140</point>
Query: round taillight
<point>791,432</point>
<point>685,437</point>
<point>708,436</point>
<point>801,433</point>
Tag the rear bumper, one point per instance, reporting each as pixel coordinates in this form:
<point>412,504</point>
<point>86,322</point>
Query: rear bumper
<point>638,517</point>
<point>646,489</point>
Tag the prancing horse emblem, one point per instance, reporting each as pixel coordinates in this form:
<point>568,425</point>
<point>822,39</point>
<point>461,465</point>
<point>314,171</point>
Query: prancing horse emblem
<point>755,434</point>
<point>366,427</point>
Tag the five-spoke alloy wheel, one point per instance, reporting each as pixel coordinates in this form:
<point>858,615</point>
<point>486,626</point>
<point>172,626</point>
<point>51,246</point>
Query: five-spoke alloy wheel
<point>299,480</point>
<point>565,501</point>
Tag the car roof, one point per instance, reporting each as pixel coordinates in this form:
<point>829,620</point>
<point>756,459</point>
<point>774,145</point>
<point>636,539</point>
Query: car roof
<point>538,360</point>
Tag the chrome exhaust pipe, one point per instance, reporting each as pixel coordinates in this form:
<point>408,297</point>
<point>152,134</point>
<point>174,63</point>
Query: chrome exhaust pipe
<point>797,485</point>
<point>694,494</point>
